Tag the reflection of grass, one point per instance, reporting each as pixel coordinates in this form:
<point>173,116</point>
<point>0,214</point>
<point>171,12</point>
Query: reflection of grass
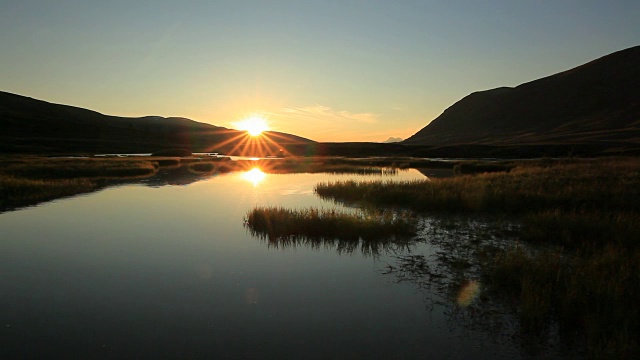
<point>288,227</point>
<point>590,207</point>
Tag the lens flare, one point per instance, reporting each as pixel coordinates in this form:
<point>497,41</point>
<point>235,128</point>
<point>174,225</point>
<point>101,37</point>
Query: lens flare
<point>254,125</point>
<point>254,176</point>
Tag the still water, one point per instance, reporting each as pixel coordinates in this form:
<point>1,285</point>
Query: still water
<point>169,271</point>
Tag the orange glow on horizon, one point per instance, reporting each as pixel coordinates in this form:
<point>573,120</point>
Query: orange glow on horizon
<point>243,144</point>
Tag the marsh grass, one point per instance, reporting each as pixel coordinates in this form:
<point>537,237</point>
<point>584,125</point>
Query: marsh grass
<point>330,227</point>
<point>47,168</point>
<point>479,167</point>
<point>589,211</point>
<point>582,229</point>
<point>600,185</point>
<point>594,296</point>
<point>19,191</point>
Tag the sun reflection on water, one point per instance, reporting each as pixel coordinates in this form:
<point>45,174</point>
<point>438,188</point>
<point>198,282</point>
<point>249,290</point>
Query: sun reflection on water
<point>254,176</point>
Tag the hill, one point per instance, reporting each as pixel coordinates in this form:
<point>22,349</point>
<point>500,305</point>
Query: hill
<point>597,103</point>
<point>33,126</point>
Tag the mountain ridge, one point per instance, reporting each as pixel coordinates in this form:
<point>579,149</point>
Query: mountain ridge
<point>596,101</point>
<point>32,125</point>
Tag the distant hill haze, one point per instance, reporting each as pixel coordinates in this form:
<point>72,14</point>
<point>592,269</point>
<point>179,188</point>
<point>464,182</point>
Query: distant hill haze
<point>33,126</point>
<point>596,102</point>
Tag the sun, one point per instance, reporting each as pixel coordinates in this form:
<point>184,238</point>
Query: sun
<point>254,125</point>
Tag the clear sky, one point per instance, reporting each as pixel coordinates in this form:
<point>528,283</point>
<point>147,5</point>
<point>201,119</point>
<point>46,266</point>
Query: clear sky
<point>328,70</point>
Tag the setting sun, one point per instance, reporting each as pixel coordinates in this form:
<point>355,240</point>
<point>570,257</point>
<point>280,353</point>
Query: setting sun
<point>254,125</point>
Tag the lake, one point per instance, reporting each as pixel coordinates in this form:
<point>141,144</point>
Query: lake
<point>152,270</point>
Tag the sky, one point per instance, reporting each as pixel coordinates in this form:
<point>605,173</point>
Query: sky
<point>345,70</point>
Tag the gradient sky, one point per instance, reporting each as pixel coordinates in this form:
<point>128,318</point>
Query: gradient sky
<point>327,70</point>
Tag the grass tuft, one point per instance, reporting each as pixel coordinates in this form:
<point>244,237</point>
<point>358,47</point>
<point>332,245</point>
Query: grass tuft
<point>280,223</point>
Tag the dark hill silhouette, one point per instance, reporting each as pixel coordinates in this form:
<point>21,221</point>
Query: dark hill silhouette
<point>33,126</point>
<point>596,103</point>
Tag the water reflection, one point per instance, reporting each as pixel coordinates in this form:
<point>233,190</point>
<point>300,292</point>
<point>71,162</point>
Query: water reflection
<point>468,293</point>
<point>254,176</point>
<point>341,246</point>
<point>139,265</point>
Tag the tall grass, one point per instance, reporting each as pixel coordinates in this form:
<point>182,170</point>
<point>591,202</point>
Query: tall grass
<point>29,180</point>
<point>591,288</point>
<point>44,168</point>
<point>330,228</point>
<point>593,295</point>
<point>19,191</point>
<point>575,187</point>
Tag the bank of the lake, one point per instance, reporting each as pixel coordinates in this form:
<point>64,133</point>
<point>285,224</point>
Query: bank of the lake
<point>586,281</point>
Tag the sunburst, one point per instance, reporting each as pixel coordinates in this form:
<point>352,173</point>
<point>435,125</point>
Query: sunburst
<point>253,125</point>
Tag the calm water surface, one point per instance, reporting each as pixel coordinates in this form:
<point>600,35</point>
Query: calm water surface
<point>169,271</point>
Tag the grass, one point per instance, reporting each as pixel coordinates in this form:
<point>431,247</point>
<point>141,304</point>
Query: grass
<point>16,192</point>
<point>598,185</point>
<point>589,210</point>
<point>286,227</point>
<point>594,295</point>
<point>29,180</point>
<point>47,168</point>
<point>26,180</point>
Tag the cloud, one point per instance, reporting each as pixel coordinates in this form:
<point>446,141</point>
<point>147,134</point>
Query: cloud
<point>393,140</point>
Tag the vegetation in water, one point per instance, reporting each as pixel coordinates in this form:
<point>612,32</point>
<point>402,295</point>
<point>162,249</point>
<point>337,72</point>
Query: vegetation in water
<point>586,284</point>
<point>330,227</point>
<point>598,185</point>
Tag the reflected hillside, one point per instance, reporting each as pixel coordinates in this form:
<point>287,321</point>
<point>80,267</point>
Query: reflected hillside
<point>30,180</point>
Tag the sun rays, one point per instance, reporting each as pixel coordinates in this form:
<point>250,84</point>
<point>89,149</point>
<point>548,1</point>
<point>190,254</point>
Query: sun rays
<point>242,143</point>
<point>254,125</point>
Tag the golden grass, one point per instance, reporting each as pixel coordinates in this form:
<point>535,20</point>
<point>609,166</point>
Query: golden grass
<point>591,207</point>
